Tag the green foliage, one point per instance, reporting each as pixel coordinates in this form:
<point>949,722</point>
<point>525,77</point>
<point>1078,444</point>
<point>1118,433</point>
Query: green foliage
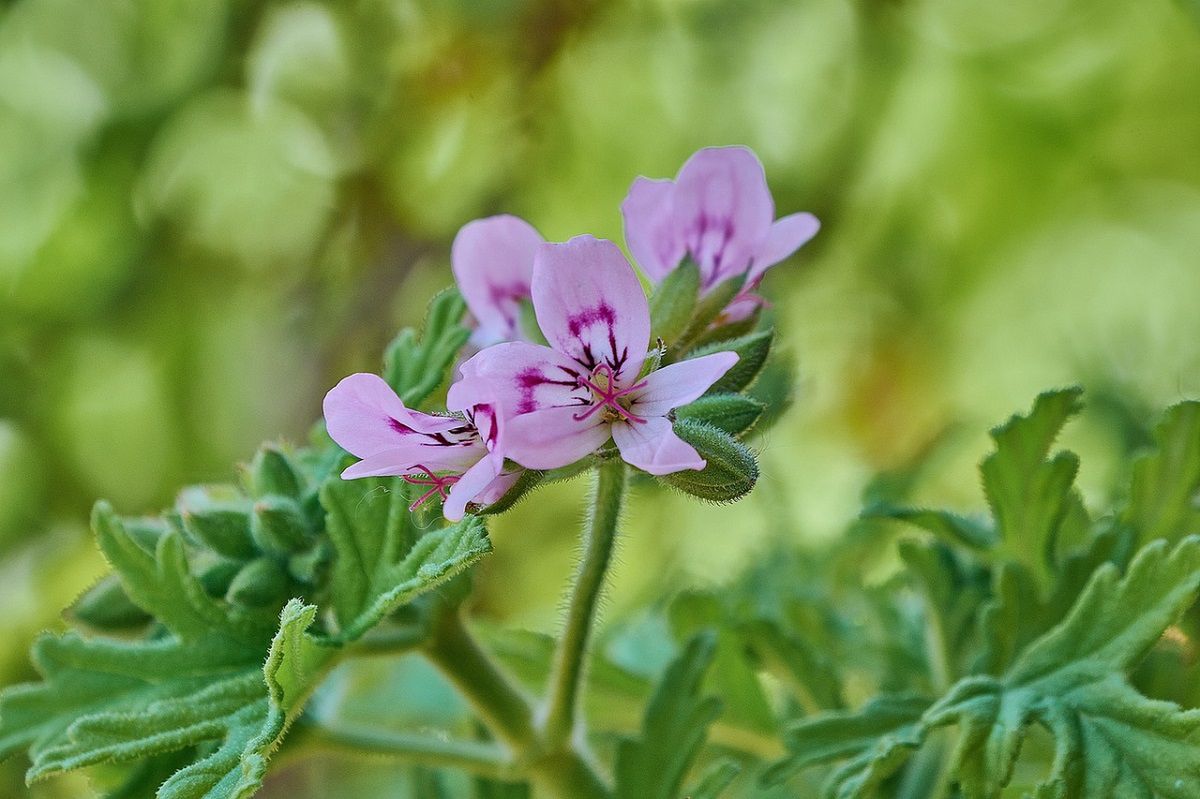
<point>731,469</point>
<point>414,366</point>
<point>673,302</point>
<point>1039,624</point>
<point>654,765</point>
<point>752,349</point>
<point>231,609</point>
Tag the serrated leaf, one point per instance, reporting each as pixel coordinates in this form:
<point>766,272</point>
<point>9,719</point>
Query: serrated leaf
<point>1164,497</point>
<point>1029,494</point>
<point>380,560</point>
<point>807,672</point>
<point>415,366</point>
<point>873,740</point>
<point>654,765</point>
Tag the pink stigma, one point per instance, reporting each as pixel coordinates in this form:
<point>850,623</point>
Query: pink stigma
<point>607,398</point>
<point>440,485</point>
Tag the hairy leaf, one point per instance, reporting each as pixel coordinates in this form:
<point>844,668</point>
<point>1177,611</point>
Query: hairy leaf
<point>1164,499</point>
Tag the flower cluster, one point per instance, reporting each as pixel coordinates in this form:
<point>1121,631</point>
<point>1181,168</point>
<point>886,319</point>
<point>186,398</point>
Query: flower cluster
<point>563,360</point>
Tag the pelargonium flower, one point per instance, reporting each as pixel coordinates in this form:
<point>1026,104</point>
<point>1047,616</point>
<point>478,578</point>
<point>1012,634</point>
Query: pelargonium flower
<point>719,212</point>
<point>566,400</point>
<point>492,261</point>
<point>460,460</point>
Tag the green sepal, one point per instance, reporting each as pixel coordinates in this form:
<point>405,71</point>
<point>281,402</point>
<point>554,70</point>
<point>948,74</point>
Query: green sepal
<point>731,469</point>
<point>105,606</point>
<point>217,517</point>
<point>674,301</point>
<point>278,525</point>
<point>529,480</point>
<point>752,351</point>
<point>734,414</point>
<point>415,366</point>
<point>707,310</point>
<point>261,582</point>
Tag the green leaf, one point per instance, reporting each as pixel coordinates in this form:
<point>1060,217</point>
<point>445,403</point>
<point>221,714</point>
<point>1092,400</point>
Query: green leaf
<point>804,669</point>
<point>753,351</point>
<point>716,781</point>
<point>672,303</point>
<point>654,765</point>
<point>734,414</point>
<point>381,560</point>
<point>708,309</point>
<point>414,366</point>
<point>1029,495</point>
<point>732,678</point>
<point>731,469</point>
<point>1164,497</point>
<point>949,527</point>
<point>873,740</point>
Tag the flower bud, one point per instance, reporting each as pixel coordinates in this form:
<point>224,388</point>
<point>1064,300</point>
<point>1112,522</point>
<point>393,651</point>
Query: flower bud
<point>734,414</point>
<point>105,606</point>
<point>731,469</point>
<point>217,518</point>
<point>259,583</point>
<point>272,473</point>
<point>278,526</point>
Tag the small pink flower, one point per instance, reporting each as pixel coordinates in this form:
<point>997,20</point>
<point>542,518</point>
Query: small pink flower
<point>719,212</point>
<point>460,460</point>
<point>492,261</point>
<point>568,399</point>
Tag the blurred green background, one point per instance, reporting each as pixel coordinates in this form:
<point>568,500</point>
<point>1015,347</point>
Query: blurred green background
<point>211,210</point>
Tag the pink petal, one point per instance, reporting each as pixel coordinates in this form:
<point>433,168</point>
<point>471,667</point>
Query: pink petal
<point>740,307</point>
<point>724,208</point>
<point>554,437</point>
<point>590,304</point>
<point>416,460</point>
<point>498,487</point>
<point>785,237</point>
<point>652,237</point>
<point>364,416</point>
<point>470,485</point>
<point>520,378</point>
<point>680,383</point>
<point>653,447</point>
<point>492,260</point>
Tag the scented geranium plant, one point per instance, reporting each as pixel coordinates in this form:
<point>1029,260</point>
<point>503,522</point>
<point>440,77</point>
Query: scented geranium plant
<point>1043,648</point>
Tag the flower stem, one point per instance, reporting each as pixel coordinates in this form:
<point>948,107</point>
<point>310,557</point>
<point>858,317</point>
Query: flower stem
<point>481,759</point>
<point>567,675</point>
<point>508,713</point>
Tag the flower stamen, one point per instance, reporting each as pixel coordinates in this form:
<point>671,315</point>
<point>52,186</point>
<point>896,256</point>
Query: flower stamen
<point>606,398</point>
<point>440,485</point>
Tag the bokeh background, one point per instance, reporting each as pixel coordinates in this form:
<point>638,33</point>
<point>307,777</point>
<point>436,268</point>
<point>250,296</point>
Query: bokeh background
<point>211,210</point>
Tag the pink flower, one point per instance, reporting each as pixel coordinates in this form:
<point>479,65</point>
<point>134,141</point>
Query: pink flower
<point>567,399</point>
<point>719,212</point>
<point>460,459</point>
<point>492,260</point>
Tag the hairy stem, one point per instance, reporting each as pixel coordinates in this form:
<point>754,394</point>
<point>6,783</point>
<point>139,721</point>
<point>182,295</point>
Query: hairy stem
<point>567,674</point>
<point>481,759</point>
<point>508,713</point>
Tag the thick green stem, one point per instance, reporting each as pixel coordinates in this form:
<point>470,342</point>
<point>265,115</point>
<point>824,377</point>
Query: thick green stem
<point>481,759</point>
<point>508,713</point>
<point>566,678</point>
